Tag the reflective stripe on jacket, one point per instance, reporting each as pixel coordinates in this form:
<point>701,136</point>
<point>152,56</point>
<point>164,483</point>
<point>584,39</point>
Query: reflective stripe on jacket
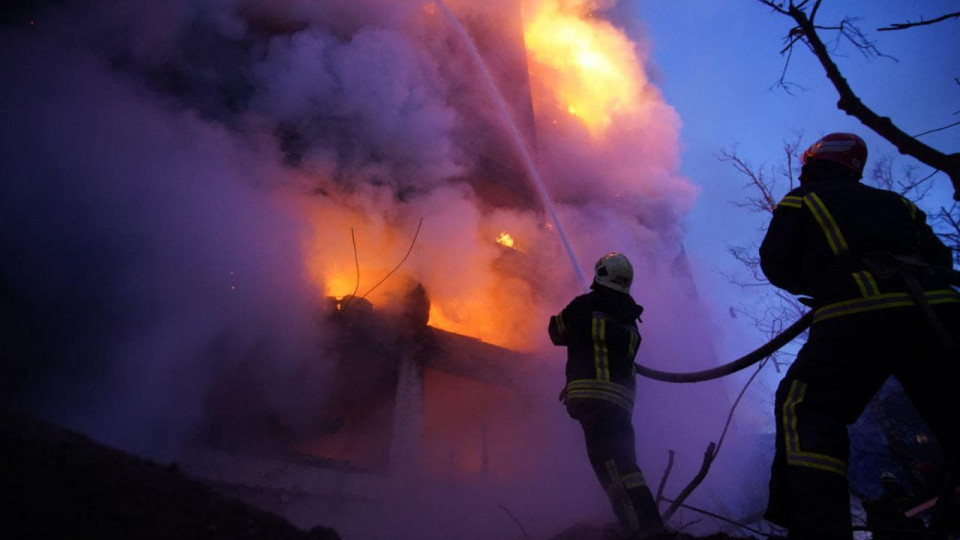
<point>820,233</point>
<point>600,332</point>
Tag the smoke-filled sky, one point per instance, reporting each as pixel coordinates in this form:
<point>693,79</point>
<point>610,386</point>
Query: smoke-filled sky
<point>186,183</point>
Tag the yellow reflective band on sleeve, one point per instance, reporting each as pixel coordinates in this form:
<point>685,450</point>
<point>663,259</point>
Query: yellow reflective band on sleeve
<point>601,356</point>
<point>796,456</point>
<point>838,245</point>
<point>911,207</point>
<point>791,201</point>
<point>866,283</point>
<point>634,344</point>
<point>881,301</point>
<point>559,319</point>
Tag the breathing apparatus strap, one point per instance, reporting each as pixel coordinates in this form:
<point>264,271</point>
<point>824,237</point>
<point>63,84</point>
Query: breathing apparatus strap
<point>880,263</point>
<point>887,265</point>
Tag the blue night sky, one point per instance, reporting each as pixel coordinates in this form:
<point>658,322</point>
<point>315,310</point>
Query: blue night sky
<point>718,64</point>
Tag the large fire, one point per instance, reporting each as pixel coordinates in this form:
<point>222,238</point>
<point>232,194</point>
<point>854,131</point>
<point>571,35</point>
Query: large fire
<point>580,66</point>
<point>590,66</point>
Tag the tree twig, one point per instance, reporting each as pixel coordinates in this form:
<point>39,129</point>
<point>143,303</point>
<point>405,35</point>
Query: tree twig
<point>515,520</point>
<point>663,479</point>
<point>948,126</point>
<point>736,402</point>
<point>708,456</point>
<point>718,516</point>
<point>922,22</point>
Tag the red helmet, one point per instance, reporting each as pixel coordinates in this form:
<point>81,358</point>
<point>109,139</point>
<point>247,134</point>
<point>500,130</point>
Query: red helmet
<point>846,149</point>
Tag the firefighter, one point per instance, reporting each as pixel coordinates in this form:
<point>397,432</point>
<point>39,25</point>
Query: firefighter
<point>866,261</point>
<point>599,330</point>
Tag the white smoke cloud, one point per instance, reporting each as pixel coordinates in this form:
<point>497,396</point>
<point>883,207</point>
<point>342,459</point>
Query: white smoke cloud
<point>137,236</point>
<point>183,180</point>
<point>376,93</point>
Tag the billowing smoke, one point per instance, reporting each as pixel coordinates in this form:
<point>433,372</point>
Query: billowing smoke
<point>186,183</point>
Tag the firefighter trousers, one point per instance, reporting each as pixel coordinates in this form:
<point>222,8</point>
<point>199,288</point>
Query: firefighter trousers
<point>843,364</point>
<point>609,436</point>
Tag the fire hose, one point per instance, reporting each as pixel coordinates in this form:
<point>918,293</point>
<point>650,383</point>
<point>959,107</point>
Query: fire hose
<point>748,360</point>
<point>949,275</point>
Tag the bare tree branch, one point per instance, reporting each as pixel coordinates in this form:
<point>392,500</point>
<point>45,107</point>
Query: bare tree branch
<point>911,186</point>
<point>517,521</point>
<point>921,22</point>
<point>721,518</point>
<point>762,183</point>
<point>776,6</point>
<point>663,478</point>
<point>849,31</point>
<point>783,83</point>
<point>851,104</point>
<point>790,152</point>
<point>813,12</point>
<point>948,221</point>
<point>708,456</point>
<point>764,201</point>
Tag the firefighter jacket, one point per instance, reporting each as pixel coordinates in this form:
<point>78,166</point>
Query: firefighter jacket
<point>600,332</point>
<point>821,233</point>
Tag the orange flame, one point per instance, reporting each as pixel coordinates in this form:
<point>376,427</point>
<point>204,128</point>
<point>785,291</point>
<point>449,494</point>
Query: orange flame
<point>340,283</point>
<point>590,66</point>
<point>471,288</point>
<point>336,254</point>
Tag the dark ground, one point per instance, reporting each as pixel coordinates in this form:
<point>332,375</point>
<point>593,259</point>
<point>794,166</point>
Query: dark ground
<point>588,532</point>
<point>59,484</point>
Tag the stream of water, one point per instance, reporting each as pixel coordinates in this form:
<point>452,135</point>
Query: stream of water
<point>532,172</point>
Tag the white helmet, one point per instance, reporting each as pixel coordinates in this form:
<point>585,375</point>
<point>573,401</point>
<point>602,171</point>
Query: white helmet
<point>614,271</point>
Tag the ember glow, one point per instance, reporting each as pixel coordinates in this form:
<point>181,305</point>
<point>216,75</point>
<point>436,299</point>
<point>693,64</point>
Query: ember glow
<point>506,240</point>
<point>340,284</point>
<point>590,66</point>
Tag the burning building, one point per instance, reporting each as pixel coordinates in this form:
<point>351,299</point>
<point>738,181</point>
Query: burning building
<point>414,391</point>
<point>225,199</point>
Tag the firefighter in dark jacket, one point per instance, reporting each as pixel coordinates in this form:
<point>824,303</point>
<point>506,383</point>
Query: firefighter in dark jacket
<point>600,332</point>
<point>865,260</point>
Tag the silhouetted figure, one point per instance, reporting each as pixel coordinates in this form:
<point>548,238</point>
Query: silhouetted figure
<point>599,330</point>
<point>867,261</point>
